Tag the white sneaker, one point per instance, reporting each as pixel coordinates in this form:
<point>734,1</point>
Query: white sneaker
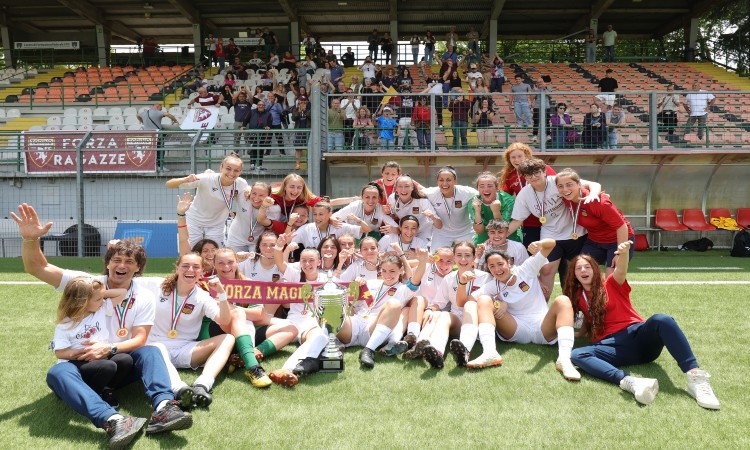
<point>486,359</point>
<point>644,389</point>
<point>534,139</point>
<point>568,370</point>
<point>699,388</point>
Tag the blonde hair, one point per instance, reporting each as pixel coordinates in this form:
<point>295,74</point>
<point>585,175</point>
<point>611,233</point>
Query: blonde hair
<point>75,298</point>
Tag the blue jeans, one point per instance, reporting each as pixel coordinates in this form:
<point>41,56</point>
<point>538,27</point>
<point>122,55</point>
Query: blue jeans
<point>591,54</point>
<point>640,343</point>
<point>335,141</point>
<point>66,382</point>
<point>423,138</point>
<point>523,114</point>
<point>609,54</point>
<point>459,129</point>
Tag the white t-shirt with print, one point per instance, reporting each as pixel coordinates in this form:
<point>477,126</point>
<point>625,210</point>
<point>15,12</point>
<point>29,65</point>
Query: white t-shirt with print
<point>209,208</point>
<point>93,327</point>
<point>454,213</point>
<point>559,224</point>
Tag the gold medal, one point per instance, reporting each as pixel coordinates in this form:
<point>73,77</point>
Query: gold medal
<point>574,236</point>
<point>542,219</point>
<point>172,334</point>
<point>304,311</point>
<point>365,316</point>
<point>122,332</point>
<point>496,304</point>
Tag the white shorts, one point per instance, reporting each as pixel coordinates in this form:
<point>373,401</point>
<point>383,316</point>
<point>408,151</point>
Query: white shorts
<point>303,323</point>
<point>181,352</point>
<point>458,312</point>
<point>529,331</point>
<point>360,330</point>
<point>608,99</point>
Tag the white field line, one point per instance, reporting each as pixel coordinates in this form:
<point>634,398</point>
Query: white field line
<point>689,268</point>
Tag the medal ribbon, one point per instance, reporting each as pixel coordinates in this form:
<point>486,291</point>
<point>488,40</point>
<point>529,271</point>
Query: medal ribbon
<point>121,312</point>
<point>178,313</point>
<point>544,198</point>
<point>397,208</point>
<point>445,204</point>
<point>380,297</point>
<point>231,194</point>
<point>505,285</point>
<point>575,216</point>
<point>253,225</point>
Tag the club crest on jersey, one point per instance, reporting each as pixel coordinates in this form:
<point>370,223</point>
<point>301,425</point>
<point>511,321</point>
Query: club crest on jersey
<point>188,308</point>
<point>458,203</point>
<point>275,277</point>
<point>584,213</point>
<point>374,221</point>
<point>523,286</point>
<point>392,291</point>
<point>415,210</point>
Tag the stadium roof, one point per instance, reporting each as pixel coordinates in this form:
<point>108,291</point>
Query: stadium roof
<point>170,21</point>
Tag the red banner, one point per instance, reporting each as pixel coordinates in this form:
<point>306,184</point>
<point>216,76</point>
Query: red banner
<point>247,292</point>
<point>105,152</point>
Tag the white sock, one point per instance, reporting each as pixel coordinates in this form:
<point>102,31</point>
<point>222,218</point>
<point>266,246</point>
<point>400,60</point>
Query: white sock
<point>205,380</point>
<point>468,335</point>
<point>379,335</point>
<point>439,340</point>
<point>565,339</point>
<point>115,417</point>
<point>487,337</point>
<point>162,404</point>
<point>175,381</point>
<point>317,344</point>
<point>398,331</point>
<point>413,328</point>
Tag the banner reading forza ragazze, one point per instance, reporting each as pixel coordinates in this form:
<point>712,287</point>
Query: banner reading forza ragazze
<point>105,152</point>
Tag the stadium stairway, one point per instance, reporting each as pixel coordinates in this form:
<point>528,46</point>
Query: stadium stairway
<point>32,82</point>
<point>717,73</point>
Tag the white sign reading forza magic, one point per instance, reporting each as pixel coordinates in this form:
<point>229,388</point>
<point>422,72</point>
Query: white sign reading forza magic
<point>57,45</point>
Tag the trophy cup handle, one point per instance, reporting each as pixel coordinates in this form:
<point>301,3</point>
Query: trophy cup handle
<point>306,294</point>
<point>354,293</point>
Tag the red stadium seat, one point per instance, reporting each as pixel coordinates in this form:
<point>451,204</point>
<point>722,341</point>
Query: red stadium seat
<point>743,217</point>
<point>718,213</point>
<point>666,219</point>
<point>641,242</point>
<point>694,219</point>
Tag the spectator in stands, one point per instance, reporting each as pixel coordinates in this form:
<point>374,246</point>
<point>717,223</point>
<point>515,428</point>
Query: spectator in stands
<point>350,104</point>
<point>337,72</point>
<point>404,78</point>
<point>668,107</point>
<point>371,101</point>
<point>347,59</point>
<point>591,42</point>
<point>521,101</point>
<point>609,39</point>
<point>355,85</point>
<point>561,127</point>
<point>229,80</point>
<point>259,121</point>
<point>407,136</point>
<point>451,37</point>
<point>362,124</point>
<point>268,80</point>
<point>368,69</point>
<point>373,40</point>
<point>698,104</point>
<point>221,54</point>
<point>386,46</point>
<point>389,79</point>
<point>435,86</point>
<point>483,123</point>
<point>607,87</point>
<point>330,57</point>
<point>270,41</point>
<point>239,69</point>
<point>594,128</point>
<point>273,61</point>
<point>256,62</point>
<point>616,119</point>
<point>151,120</point>
<point>541,87</point>
<point>227,94</point>
<point>232,49</point>
<point>301,119</point>
<point>210,43</point>
<point>498,74</point>
<point>242,107</point>
<point>336,117</point>
<point>206,98</point>
<point>479,89</point>
<point>275,106</point>
<point>388,127</point>
<point>450,53</point>
<point>421,119</point>
<point>472,38</point>
<point>472,75</point>
<point>308,42</point>
<point>415,41</point>
<point>150,49</point>
<point>459,107</point>
<point>429,47</point>
<point>193,86</point>
<point>288,62</point>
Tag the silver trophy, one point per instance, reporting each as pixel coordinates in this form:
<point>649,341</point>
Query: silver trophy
<point>332,306</point>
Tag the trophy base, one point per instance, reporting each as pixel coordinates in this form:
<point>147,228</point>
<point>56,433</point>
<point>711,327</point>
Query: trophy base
<point>331,365</point>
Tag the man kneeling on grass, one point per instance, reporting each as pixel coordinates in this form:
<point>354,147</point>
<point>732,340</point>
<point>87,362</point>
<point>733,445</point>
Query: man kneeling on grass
<point>129,323</point>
